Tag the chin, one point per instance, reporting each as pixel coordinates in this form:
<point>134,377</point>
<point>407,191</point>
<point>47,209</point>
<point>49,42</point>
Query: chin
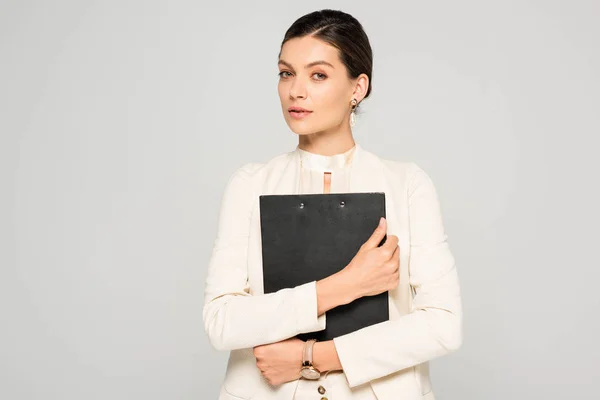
<point>300,128</point>
<point>302,132</point>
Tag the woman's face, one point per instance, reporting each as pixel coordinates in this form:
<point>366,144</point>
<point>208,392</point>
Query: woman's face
<point>313,77</point>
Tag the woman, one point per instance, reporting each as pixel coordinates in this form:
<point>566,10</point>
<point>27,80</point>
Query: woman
<point>325,67</point>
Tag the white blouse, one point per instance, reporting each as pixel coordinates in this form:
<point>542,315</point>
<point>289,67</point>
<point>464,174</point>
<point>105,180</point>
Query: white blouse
<point>332,384</point>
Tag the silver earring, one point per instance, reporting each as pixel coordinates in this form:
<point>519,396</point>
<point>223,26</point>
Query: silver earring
<point>352,118</point>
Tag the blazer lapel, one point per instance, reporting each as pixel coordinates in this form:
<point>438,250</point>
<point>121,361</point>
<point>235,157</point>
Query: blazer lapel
<point>369,174</point>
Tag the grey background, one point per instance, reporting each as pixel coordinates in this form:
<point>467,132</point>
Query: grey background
<point>121,122</point>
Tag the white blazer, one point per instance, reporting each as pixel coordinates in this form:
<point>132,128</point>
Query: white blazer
<point>392,356</point>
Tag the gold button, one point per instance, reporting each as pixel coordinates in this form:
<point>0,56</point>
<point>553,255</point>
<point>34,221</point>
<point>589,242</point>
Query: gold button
<point>323,398</point>
<point>322,390</point>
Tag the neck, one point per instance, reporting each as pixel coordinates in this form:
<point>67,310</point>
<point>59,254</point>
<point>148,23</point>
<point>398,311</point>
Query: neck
<point>327,143</point>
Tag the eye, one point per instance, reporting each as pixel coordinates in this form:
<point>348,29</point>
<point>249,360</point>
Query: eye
<point>282,74</point>
<point>322,76</point>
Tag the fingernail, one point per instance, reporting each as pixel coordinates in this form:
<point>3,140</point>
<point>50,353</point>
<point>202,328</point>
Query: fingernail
<point>381,221</point>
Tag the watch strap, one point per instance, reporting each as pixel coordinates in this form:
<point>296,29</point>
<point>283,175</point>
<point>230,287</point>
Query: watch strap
<point>307,356</point>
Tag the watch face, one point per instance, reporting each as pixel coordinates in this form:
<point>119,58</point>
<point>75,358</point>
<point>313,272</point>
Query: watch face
<point>310,373</point>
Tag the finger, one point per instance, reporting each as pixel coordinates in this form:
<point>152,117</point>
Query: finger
<point>386,252</point>
<point>377,235</point>
<point>392,264</point>
<point>390,244</point>
<point>395,258</point>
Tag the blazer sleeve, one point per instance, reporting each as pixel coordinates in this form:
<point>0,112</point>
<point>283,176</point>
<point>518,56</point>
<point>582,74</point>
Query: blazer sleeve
<point>434,325</point>
<point>233,318</point>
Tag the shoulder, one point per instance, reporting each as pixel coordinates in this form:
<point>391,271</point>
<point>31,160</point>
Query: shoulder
<point>415,177</point>
<point>254,172</point>
<point>247,171</point>
<point>413,173</point>
<point>406,171</point>
<point>417,181</point>
<point>405,175</point>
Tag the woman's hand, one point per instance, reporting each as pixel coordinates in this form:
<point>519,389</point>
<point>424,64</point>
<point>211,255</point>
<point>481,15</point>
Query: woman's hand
<point>280,362</point>
<point>373,269</point>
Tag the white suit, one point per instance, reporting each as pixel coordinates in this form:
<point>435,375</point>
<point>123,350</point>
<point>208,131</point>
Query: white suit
<point>392,357</point>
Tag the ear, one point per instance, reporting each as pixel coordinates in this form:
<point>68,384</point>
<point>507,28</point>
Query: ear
<point>361,84</point>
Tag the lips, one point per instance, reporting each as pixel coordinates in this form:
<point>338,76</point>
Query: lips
<point>298,113</point>
<point>298,109</point>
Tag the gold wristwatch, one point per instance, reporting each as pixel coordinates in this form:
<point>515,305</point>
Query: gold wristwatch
<point>308,370</point>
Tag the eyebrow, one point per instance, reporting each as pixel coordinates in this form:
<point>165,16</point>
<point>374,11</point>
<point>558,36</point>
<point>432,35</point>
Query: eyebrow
<point>312,64</point>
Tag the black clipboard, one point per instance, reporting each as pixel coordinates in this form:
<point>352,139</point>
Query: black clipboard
<point>308,237</point>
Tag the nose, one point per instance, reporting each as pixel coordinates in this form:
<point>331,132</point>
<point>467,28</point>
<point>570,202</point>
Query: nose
<point>297,89</point>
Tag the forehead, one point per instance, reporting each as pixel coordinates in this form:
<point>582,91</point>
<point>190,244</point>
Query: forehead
<point>301,51</point>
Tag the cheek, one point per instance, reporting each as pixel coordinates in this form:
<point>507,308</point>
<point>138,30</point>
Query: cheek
<point>332,101</point>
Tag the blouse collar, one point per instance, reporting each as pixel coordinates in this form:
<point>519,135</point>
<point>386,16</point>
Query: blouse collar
<point>325,163</point>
